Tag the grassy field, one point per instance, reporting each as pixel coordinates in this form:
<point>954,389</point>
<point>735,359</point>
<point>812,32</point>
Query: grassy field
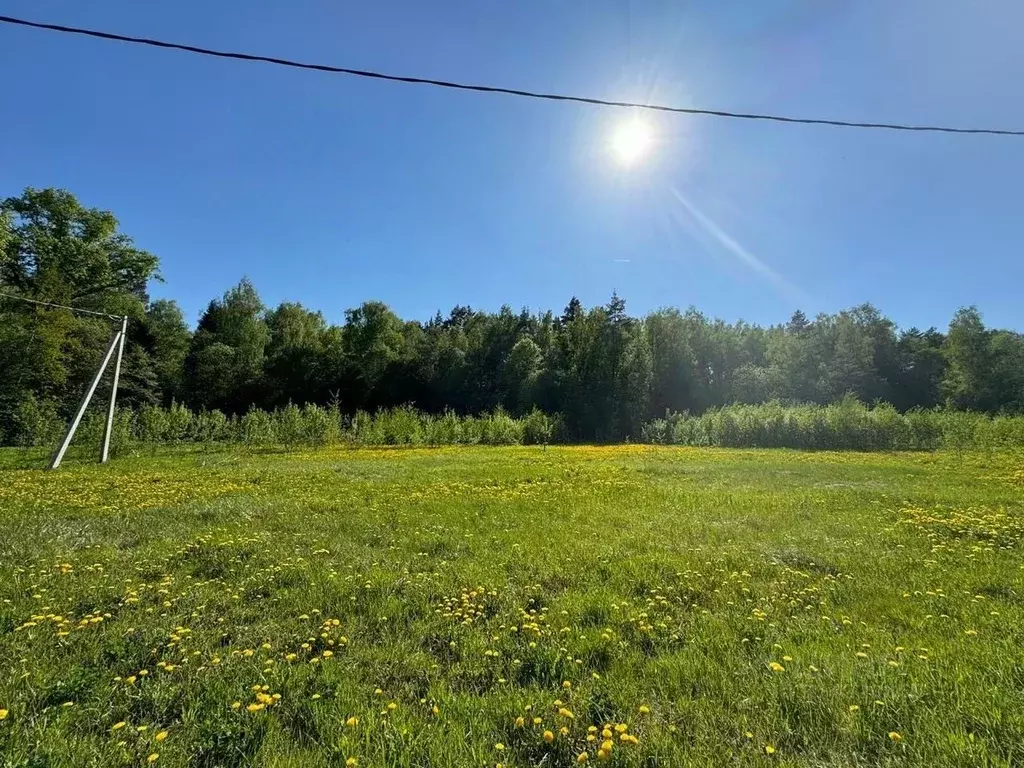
<point>516,606</point>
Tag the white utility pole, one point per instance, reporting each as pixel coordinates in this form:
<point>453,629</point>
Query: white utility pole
<point>114,342</point>
<point>105,454</point>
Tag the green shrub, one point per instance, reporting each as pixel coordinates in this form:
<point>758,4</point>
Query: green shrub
<point>90,429</point>
<point>499,428</point>
<point>364,430</point>
<point>256,429</point>
<point>319,426</point>
<point>179,424</point>
<point>538,428</point>
<point>400,426</point>
<point>288,425</point>
<point>211,427</point>
<point>151,425</point>
<point>37,422</point>
<point>445,429</point>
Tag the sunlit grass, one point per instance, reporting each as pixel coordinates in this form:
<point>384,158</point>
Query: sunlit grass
<point>523,606</point>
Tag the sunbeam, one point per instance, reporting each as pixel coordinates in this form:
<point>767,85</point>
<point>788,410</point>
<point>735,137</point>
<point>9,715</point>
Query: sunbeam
<point>736,249</point>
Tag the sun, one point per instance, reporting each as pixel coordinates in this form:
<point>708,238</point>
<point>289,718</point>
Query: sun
<point>631,140</point>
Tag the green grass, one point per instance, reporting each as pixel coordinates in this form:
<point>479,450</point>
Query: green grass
<point>463,585</point>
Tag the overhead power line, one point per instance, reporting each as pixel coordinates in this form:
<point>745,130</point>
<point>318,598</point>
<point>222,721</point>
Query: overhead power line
<point>495,89</point>
<point>59,306</point>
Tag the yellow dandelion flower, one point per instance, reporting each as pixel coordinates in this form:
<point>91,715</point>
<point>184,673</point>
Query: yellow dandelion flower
<point>895,737</point>
<point>118,726</point>
<point>352,722</point>
<point>549,736</point>
<point>774,666</point>
<point>236,704</point>
<point>161,736</point>
<point>351,762</point>
<point>582,757</point>
<point>153,757</point>
<point>769,749</point>
<point>644,709</point>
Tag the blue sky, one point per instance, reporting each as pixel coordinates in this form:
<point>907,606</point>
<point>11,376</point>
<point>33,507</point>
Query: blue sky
<point>332,190</point>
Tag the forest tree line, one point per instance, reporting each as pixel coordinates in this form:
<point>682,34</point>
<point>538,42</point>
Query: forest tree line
<point>605,371</point>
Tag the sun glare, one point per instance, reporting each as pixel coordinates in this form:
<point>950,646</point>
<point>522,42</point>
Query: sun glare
<point>631,140</point>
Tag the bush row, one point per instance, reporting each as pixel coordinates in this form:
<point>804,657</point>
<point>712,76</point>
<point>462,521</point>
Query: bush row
<point>39,424</point>
<point>845,425</point>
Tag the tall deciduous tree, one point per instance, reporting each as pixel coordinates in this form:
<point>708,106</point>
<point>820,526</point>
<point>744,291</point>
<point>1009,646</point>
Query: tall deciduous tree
<point>969,362</point>
<point>224,365</point>
<point>921,369</point>
<point>295,369</point>
<point>521,374</point>
<point>166,337</point>
<point>58,250</point>
<point>373,342</point>
<point>54,249</point>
